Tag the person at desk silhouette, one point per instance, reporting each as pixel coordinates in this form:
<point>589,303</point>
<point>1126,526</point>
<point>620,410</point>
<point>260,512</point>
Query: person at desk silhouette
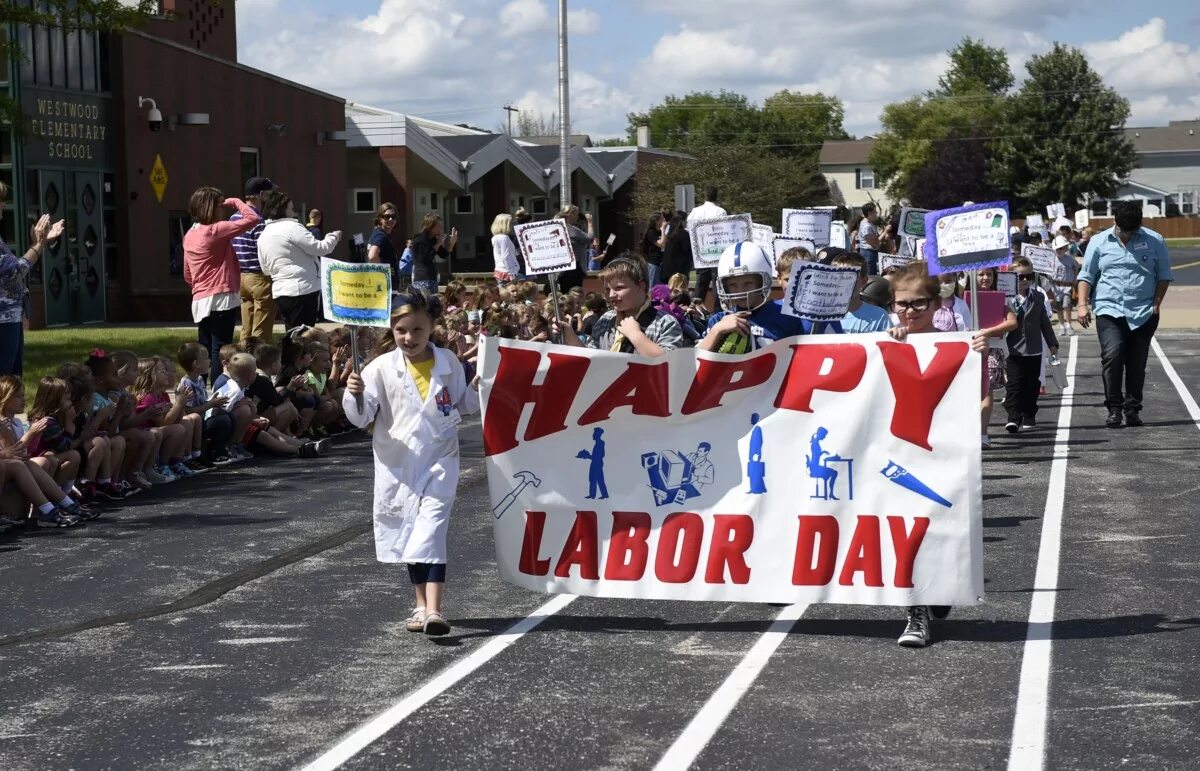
<point>816,465</point>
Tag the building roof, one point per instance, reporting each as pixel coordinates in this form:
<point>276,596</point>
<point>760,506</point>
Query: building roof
<point>1179,136</point>
<point>582,140</point>
<point>612,159</point>
<point>846,151</point>
<point>466,146</point>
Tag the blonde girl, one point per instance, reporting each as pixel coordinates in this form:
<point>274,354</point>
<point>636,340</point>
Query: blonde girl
<point>150,388</point>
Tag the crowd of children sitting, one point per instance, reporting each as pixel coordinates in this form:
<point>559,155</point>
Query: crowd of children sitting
<point>115,424</point>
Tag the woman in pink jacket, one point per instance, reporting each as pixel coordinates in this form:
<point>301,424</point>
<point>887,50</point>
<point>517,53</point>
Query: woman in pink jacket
<point>211,269</point>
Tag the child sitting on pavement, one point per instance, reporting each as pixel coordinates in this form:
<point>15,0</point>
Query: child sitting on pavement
<point>274,403</point>
<point>239,375</point>
<point>217,428</point>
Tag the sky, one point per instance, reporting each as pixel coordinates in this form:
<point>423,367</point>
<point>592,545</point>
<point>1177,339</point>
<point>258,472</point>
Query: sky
<point>461,61</point>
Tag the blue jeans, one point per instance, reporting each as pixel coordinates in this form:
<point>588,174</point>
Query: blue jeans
<point>429,287</point>
<point>653,274</point>
<point>12,348</point>
<point>872,258</point>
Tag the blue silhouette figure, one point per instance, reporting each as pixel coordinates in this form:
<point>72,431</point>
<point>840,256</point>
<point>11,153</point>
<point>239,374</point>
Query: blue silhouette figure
<point>756,467</point>
<point>596,486</point>
<point>818,461</point>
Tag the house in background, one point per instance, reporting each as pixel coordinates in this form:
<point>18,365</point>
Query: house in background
<point>1167,176</point>
<point>852,181</point>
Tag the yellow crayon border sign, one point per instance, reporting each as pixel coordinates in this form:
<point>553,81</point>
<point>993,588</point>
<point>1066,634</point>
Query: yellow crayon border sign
<point>356,293</point>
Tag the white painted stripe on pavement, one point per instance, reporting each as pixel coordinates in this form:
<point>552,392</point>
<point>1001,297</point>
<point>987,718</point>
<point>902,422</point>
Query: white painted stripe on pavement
<point>1028,751</point>
<point>713,714</point>
<point>1192,408</point>
<point>359,739</point>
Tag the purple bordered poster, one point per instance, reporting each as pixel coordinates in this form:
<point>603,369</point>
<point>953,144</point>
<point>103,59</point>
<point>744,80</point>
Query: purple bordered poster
<point>967,238</point>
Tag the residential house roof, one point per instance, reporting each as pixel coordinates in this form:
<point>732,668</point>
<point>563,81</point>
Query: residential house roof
<point>1178,136</point>
<point>835,152</point>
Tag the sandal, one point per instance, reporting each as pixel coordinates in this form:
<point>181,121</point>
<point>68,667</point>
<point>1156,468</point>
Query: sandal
<point>416,620</point>
<point>436,625</point>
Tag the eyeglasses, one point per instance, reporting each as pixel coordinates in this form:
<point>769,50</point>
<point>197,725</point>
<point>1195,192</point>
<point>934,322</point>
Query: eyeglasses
<point>919,305</point>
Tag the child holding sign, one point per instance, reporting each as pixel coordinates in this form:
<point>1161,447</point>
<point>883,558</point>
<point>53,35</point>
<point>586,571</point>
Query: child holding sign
<point>415,395</point>
<point>916,298</point>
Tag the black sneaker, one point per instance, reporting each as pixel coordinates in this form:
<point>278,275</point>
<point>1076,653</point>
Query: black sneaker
<point>1133,419</point>
<point>916,632</point>
<point>309,450</point>
<point>57,518</point>
<point>1012,427</point>
<point>1028,424</point>
<point>80,510</point>
<point>1114,419</point>
<point>222,460</point>
<point>939,611</point>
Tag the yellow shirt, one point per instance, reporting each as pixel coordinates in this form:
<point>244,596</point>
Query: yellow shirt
<point>421,372</point>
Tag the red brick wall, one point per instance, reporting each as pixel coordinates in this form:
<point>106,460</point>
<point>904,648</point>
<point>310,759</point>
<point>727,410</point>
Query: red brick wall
<point>241,105</point>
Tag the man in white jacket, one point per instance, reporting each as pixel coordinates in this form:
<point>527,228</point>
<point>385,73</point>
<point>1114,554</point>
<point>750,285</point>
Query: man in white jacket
<point>291,256</point>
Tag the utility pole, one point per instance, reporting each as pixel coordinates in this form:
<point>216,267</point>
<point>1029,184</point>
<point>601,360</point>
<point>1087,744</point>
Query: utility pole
<point>510,110</point>
<point>564,111</point>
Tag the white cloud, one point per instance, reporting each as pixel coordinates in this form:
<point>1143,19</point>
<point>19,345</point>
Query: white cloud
<point>462,60</point>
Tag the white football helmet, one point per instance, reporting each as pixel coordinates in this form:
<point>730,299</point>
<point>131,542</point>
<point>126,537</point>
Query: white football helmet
<point>745,259</point>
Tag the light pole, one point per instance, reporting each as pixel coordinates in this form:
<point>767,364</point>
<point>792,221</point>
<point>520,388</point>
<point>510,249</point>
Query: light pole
<point>564,111</point>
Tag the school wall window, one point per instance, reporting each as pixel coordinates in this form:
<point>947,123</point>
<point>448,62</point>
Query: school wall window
<point>363,200</point>
<point>464,204</point>
<point>539,206</point>
<point>1099,208</point>
<point>58,58</point>
<point>250,165</point>
<point>864,179</point>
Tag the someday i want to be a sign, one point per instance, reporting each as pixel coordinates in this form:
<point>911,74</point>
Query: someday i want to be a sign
<point>807,471</point>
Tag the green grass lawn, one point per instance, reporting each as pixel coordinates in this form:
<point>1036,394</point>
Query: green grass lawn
<point>46,349</point>
<point>1183,242</point>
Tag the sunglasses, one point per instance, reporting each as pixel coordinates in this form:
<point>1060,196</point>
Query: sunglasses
<point>919,305</point>
<point>388,217</point>
<point>1024,277</point>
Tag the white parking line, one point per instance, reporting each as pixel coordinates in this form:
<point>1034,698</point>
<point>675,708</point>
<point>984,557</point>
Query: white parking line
<point>1028,750</point>
<point>712,715</point>
<point>359,739</point>
<point>1192,408</point>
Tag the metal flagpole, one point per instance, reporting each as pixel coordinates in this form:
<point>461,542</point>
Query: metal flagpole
<point>564,136</point>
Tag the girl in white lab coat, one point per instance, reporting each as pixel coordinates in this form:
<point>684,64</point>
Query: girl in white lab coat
<point>415,395</point>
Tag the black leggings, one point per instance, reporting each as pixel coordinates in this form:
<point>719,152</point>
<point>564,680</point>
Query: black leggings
<point>304,309</point>
<point>427,573</point>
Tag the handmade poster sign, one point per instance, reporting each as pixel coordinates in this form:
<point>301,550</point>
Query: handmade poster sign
<point>808,225</point>
<point>711,237</point>
<point>887,261</point>
<point>1006,283</point>
<point>909,246</point>
<point>1055,210</point>
<point>822,468</point>
<point>1082,218</point>
<point>819,292</point>
<point>1043,258</point>
<point>967,238</point>
<point>762,235</point>
<point>1034,222</point>
<point>356,293</point>
<point>546,246</point>
<point>781,244</point>
<point>838,235</point>
<point>912,222</point>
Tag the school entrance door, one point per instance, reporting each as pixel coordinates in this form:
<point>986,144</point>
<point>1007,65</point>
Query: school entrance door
<point>73,268</point>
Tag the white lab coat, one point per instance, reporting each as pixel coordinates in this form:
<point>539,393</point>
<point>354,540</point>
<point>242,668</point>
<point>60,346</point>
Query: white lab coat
<point>416,452</point>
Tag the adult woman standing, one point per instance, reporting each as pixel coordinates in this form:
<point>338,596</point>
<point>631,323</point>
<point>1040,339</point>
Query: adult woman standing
<point>677,248</point>
<point>210,268</point>
<point>504,254</point>
<point>292,258</point>
<point>380,248</point>
<point>427,245</point>
<point>13,270</point>
<point>651,249</point>
<point>580,241</point>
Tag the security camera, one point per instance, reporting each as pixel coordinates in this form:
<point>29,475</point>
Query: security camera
<point>153,116</point>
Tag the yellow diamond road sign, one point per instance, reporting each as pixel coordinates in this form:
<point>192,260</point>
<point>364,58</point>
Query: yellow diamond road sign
<point>158,178</point>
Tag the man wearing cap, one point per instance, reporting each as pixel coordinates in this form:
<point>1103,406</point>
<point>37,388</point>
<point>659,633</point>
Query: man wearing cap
<point>258,307</point>
<point>1126,272</point>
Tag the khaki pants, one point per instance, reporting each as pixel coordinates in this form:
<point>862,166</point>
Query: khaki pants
<point>258,307</point>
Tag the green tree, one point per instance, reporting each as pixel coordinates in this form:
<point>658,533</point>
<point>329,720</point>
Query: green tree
<point>931,131</point>
<point>680,121</point>
<point>97,15</point>
<point>1063,134</point>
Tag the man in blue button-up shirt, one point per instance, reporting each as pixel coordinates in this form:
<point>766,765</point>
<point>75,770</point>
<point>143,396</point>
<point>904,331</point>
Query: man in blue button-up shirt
<point>1127,271</point>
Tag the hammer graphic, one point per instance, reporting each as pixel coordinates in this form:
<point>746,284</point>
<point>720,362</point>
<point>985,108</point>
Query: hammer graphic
<point>524,479</point>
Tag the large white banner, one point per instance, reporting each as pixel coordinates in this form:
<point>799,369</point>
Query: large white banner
<point>807,471</point>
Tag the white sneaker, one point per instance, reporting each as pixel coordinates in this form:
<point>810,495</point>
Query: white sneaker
<point>916,633</point>
<point>140,480</point>
<point>153,477</point>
